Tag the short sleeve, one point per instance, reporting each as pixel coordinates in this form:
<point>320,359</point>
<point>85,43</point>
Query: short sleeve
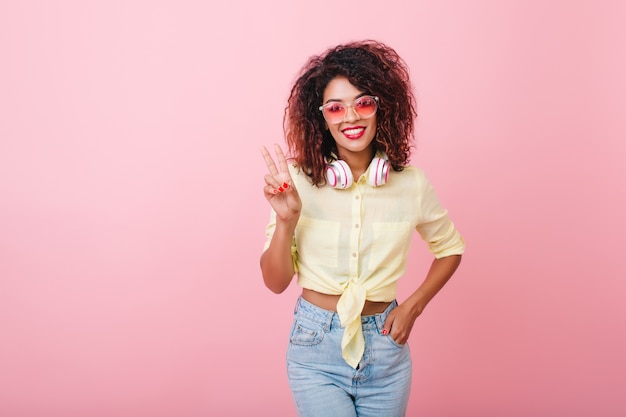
<point>435,226</point>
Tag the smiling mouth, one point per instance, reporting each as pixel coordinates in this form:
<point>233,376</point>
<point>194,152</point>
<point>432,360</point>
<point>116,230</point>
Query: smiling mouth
<point>353,132</point>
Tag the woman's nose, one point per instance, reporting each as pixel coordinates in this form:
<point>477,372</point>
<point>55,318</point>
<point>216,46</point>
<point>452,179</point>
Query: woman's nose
<point>351,114</point>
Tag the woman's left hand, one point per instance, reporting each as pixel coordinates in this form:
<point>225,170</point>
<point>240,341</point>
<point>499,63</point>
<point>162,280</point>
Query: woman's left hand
<point>399,323</point>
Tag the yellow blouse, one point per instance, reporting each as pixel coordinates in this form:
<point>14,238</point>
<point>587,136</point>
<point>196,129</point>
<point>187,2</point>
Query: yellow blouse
<point>354,242</point>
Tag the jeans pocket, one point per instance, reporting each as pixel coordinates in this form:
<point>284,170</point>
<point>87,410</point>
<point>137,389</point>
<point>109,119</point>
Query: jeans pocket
<point>306,334</point>
<point>393,342</point>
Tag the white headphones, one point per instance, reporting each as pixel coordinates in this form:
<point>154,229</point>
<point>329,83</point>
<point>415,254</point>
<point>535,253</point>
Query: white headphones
<point>339,175</point>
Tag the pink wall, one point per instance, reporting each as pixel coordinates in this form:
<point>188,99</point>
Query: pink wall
<point>132,216</point>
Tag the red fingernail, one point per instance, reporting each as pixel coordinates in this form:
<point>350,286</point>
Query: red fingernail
<point>385,331</point>
<point>280,189</point>
<point>285,185</point>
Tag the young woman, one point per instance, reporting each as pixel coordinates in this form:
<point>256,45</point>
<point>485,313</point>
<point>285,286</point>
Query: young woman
<point>343,213</point>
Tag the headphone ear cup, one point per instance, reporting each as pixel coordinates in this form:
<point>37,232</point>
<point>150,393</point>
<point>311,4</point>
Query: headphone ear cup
<point>378,172</point>
<point>338,175</point>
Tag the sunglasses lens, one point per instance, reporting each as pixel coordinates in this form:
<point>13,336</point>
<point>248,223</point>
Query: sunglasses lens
<point>365,106</point>
<point>334,112</point>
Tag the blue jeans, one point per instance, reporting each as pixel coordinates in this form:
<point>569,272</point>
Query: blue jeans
<point>323,384</point>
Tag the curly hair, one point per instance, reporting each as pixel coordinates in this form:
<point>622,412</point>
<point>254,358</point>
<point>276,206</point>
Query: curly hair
<point>373,68</point>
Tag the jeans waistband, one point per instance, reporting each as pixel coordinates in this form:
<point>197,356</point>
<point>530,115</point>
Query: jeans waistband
<point>329,319</point>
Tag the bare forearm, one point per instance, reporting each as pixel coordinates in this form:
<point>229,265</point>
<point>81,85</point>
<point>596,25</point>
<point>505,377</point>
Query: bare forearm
<point>276,262</point>
<point>441,270</point>
<point>401,319</point>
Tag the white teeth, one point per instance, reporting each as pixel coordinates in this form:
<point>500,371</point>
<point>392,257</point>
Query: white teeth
<point>355,131</point>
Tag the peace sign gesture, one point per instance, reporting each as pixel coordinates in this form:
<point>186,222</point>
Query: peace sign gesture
<point>279,189</point>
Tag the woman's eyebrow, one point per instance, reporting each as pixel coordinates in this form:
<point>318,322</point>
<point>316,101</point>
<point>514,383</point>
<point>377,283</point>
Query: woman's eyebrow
<point>336,100</point>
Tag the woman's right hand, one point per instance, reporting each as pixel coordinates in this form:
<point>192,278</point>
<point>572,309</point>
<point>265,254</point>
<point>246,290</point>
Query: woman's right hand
<point>279,189</point>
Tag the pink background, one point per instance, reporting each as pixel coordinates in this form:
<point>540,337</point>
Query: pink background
<point>132,216</point>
